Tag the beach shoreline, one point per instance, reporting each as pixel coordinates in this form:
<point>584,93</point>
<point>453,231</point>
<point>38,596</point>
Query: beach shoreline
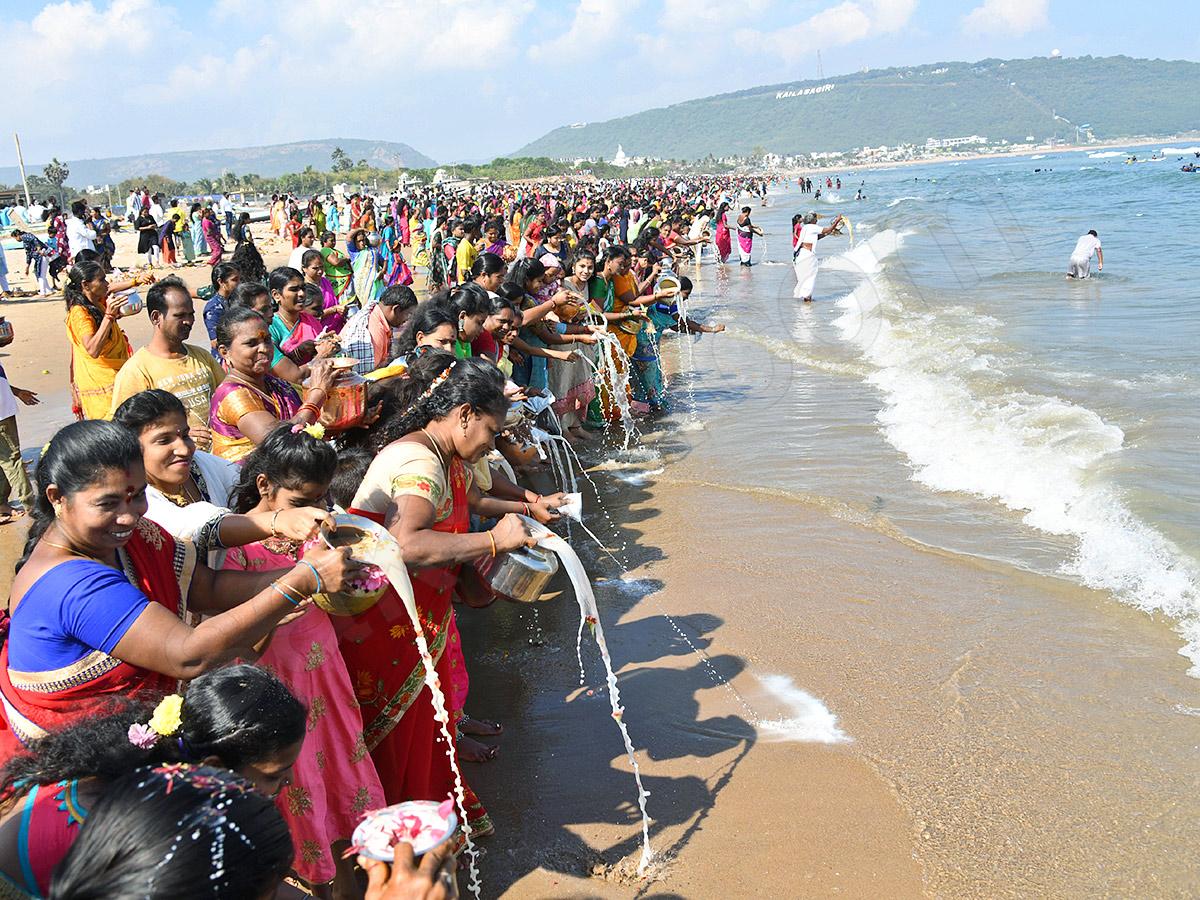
<point>1003,730</point>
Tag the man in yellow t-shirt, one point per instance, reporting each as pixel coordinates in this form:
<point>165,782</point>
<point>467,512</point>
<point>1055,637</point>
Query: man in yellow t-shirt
<point>167,363</point>
<point>465,255</point>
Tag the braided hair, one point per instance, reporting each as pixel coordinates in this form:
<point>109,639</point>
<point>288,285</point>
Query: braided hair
<point>436,385</point>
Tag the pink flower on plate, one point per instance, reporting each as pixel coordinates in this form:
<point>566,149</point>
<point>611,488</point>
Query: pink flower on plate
<point>142,736</point>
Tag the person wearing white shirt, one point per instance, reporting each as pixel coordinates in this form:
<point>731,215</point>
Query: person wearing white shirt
<point>227,214</point>
<point>79,235</point>
<point>1080,265</point>
<point>133,206</point>
<point>307,239</point>
<point>156,210</point>
<point>804,253</point>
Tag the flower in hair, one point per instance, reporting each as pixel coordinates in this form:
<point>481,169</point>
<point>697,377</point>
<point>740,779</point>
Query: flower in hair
<point>439,381</point>
<point>166,719</point>
<point>315,430</point>
<point>142,736</point>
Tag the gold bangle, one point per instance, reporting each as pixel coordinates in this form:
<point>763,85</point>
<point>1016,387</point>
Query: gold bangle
<point>275,518</point>
<point>493,540</point>
<point>291,591</point>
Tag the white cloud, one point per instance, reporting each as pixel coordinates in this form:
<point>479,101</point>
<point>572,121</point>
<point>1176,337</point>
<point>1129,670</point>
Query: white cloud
<point>834,26</point>
<point>1007,17</point>
<point>596,22</point>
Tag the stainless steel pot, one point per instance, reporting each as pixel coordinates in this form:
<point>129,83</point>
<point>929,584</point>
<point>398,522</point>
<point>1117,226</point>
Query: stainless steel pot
<point>520,575</point>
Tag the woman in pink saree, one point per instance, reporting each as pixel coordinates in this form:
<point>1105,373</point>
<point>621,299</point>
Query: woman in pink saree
<point>722,238</point>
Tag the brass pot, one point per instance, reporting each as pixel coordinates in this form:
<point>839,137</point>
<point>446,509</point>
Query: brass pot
<point>519,575</point>
<point>347,401</point>
<point>352,601</point>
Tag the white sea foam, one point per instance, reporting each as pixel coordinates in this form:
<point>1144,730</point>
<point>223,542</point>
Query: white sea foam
<point>1179,151</point>
<point>637,478</point>
<point>1107,154</point>
<point>900,200</point>
<point>809,719</point>
<point>1038,156</point>
<point>1033,453</point>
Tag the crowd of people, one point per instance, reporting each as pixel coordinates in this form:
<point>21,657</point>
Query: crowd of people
<point>163,656</point>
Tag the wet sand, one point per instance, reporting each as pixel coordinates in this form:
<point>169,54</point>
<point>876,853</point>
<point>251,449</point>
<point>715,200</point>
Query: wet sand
<point>1004,741</point>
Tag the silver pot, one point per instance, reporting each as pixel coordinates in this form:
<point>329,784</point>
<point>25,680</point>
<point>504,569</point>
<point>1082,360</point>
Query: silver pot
<point>519,575</point>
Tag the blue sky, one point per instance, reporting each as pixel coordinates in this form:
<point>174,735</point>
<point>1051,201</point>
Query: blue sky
<point>460,79</point>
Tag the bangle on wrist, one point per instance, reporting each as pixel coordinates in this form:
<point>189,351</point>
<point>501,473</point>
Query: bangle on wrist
<point>316,574</point>
<point>275,585</point>
<point>274,518</point>
<point>526,505</point>
<point>493,542</point>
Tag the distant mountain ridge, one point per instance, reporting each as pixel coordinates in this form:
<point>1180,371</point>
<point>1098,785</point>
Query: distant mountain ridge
<point>270,161</point>
<point>999,99</point>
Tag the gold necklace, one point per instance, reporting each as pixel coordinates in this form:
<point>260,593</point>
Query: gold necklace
<point>436,449</point>
<point>71,550</point>
<point>183,497</point>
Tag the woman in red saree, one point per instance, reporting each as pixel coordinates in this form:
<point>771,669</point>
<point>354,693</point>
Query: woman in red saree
<point>98,602</point>
<point>419,486</point>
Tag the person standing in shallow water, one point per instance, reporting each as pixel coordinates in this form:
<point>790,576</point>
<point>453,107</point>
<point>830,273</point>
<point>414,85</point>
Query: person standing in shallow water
<point>804,252</point>
<point>746,230</point>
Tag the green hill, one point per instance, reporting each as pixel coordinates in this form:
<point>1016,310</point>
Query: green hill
<point>998,99</point>
<point>269,161</point>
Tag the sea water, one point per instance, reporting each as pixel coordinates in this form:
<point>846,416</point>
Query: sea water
<point>950,384</point>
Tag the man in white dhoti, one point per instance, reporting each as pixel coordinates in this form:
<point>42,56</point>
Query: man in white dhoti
<point>1086,247</point>
<point>804,255</point>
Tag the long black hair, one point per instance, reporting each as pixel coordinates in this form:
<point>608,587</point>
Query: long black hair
<point>289,460</point>
<point>425,395</point>
<point>239,714</point>
<point>73,461</point>
<point>167,832</point>
<point>78,275</point>
<point>249,261</point>
<point>469,299</point>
